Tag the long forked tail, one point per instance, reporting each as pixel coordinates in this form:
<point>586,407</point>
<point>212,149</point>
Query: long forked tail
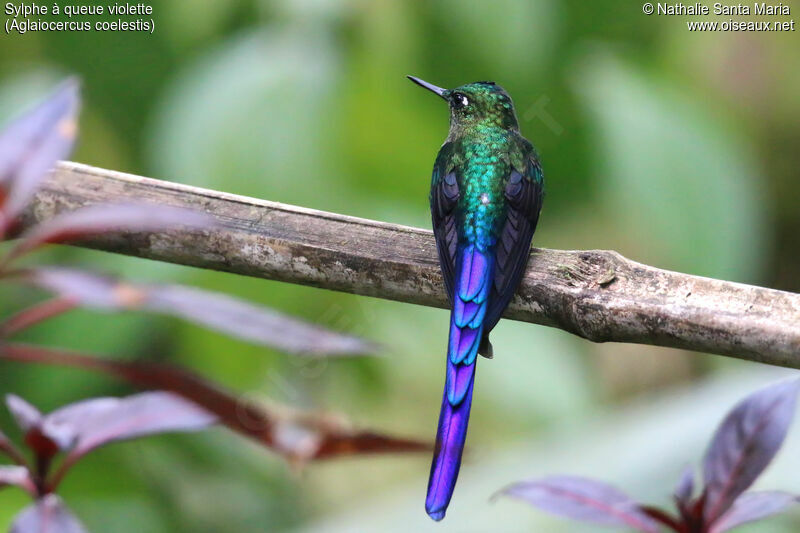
<point>472,285</point>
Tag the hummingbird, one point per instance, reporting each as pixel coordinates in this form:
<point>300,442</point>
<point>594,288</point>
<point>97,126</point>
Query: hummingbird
<point>486,193</point>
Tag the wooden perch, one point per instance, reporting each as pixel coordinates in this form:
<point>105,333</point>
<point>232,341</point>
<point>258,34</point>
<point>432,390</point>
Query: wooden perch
<point>598,295</point>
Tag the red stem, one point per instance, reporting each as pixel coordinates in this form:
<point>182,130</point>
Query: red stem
<point>13,453</point>
<point>664,518</point>
<point>42,468</point>
<point>250,420</point>
<point>58,476</point>
<point>35,314</point>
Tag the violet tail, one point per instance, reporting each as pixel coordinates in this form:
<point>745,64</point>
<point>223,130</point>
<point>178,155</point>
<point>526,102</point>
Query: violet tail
<point>473,283</point>
<point>450,439</point>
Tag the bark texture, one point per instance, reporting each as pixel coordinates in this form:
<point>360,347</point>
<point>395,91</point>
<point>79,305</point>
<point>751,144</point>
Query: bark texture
<point>596,294</point>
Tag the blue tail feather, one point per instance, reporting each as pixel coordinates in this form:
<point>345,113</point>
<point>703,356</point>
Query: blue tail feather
<point>473,281</point>
<point>465,312</point>
<point>463,342</point>
<point>450,439</point>
<point>477,320</point>
<point>472,278</point>
<point>459,378</point>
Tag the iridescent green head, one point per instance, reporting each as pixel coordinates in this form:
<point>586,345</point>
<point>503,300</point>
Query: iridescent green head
<point>482,103</point>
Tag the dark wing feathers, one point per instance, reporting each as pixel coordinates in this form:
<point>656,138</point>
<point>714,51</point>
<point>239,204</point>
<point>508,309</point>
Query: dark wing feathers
<point>524,193</point>
<point>444,197</point>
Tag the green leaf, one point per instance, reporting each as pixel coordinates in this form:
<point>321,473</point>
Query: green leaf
<point>244,118</point>
<point>680,183</point>
<point>506,35</point>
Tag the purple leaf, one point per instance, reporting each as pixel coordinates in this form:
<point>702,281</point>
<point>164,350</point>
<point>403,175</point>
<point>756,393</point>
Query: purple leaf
<point>26,415</point>
<point>585,500</point>
<point>257,324</point>
<point>685,487</point>
<point>29,419</point>
<point>87,288</point>
<point>48,515</point>
<point>93,423</point>
<point>753,506</point>
<point>31,145</point>
<point>745,443</point>
<point>213,310</point>
<point>64,424</point>
<point>17,476</point>
<point>95,220</point>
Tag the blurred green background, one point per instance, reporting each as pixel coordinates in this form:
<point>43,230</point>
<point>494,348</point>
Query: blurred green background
<point>676,149</point>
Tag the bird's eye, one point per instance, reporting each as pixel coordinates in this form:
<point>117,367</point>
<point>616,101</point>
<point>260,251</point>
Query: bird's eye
<point>459,101</point>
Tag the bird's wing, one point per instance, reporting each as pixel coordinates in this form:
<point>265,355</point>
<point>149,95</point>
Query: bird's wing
<point>524,192</point>
<point>444,197</point>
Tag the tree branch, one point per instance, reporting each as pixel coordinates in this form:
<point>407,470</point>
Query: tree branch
<point>598,295</point>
